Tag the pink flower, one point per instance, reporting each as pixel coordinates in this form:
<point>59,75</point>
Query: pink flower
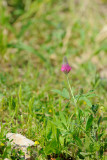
<point>65,66</point>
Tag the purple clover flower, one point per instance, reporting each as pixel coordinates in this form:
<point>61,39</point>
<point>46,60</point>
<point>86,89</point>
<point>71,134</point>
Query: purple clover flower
<point>65,66</point>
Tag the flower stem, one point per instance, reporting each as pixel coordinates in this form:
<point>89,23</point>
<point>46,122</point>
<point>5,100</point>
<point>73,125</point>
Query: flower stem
<point>71,91</point>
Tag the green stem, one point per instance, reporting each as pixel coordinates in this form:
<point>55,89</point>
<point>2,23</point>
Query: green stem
<point>71,90</point>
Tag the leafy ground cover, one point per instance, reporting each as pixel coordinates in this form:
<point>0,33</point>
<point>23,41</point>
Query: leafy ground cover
<point>35,98</point>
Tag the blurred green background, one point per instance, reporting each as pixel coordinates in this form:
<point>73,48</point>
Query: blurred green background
<point>35,35</point>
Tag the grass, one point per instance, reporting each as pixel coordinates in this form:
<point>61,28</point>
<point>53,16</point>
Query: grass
<point>34,38</point>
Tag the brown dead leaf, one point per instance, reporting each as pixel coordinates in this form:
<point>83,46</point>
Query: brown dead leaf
<point>103,73</point>
<point>102,35</point>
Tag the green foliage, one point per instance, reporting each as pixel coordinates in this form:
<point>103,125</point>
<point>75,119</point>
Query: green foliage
<point>22,46</point>
<point>34,37</point>
<point>7,151</point>
<point>64,93</point>
<point>89,122</point>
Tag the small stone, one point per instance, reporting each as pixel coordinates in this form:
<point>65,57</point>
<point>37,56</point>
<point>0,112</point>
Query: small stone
<point>21,141</point>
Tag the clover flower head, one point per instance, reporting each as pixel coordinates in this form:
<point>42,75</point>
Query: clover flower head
<point>65,66</point>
